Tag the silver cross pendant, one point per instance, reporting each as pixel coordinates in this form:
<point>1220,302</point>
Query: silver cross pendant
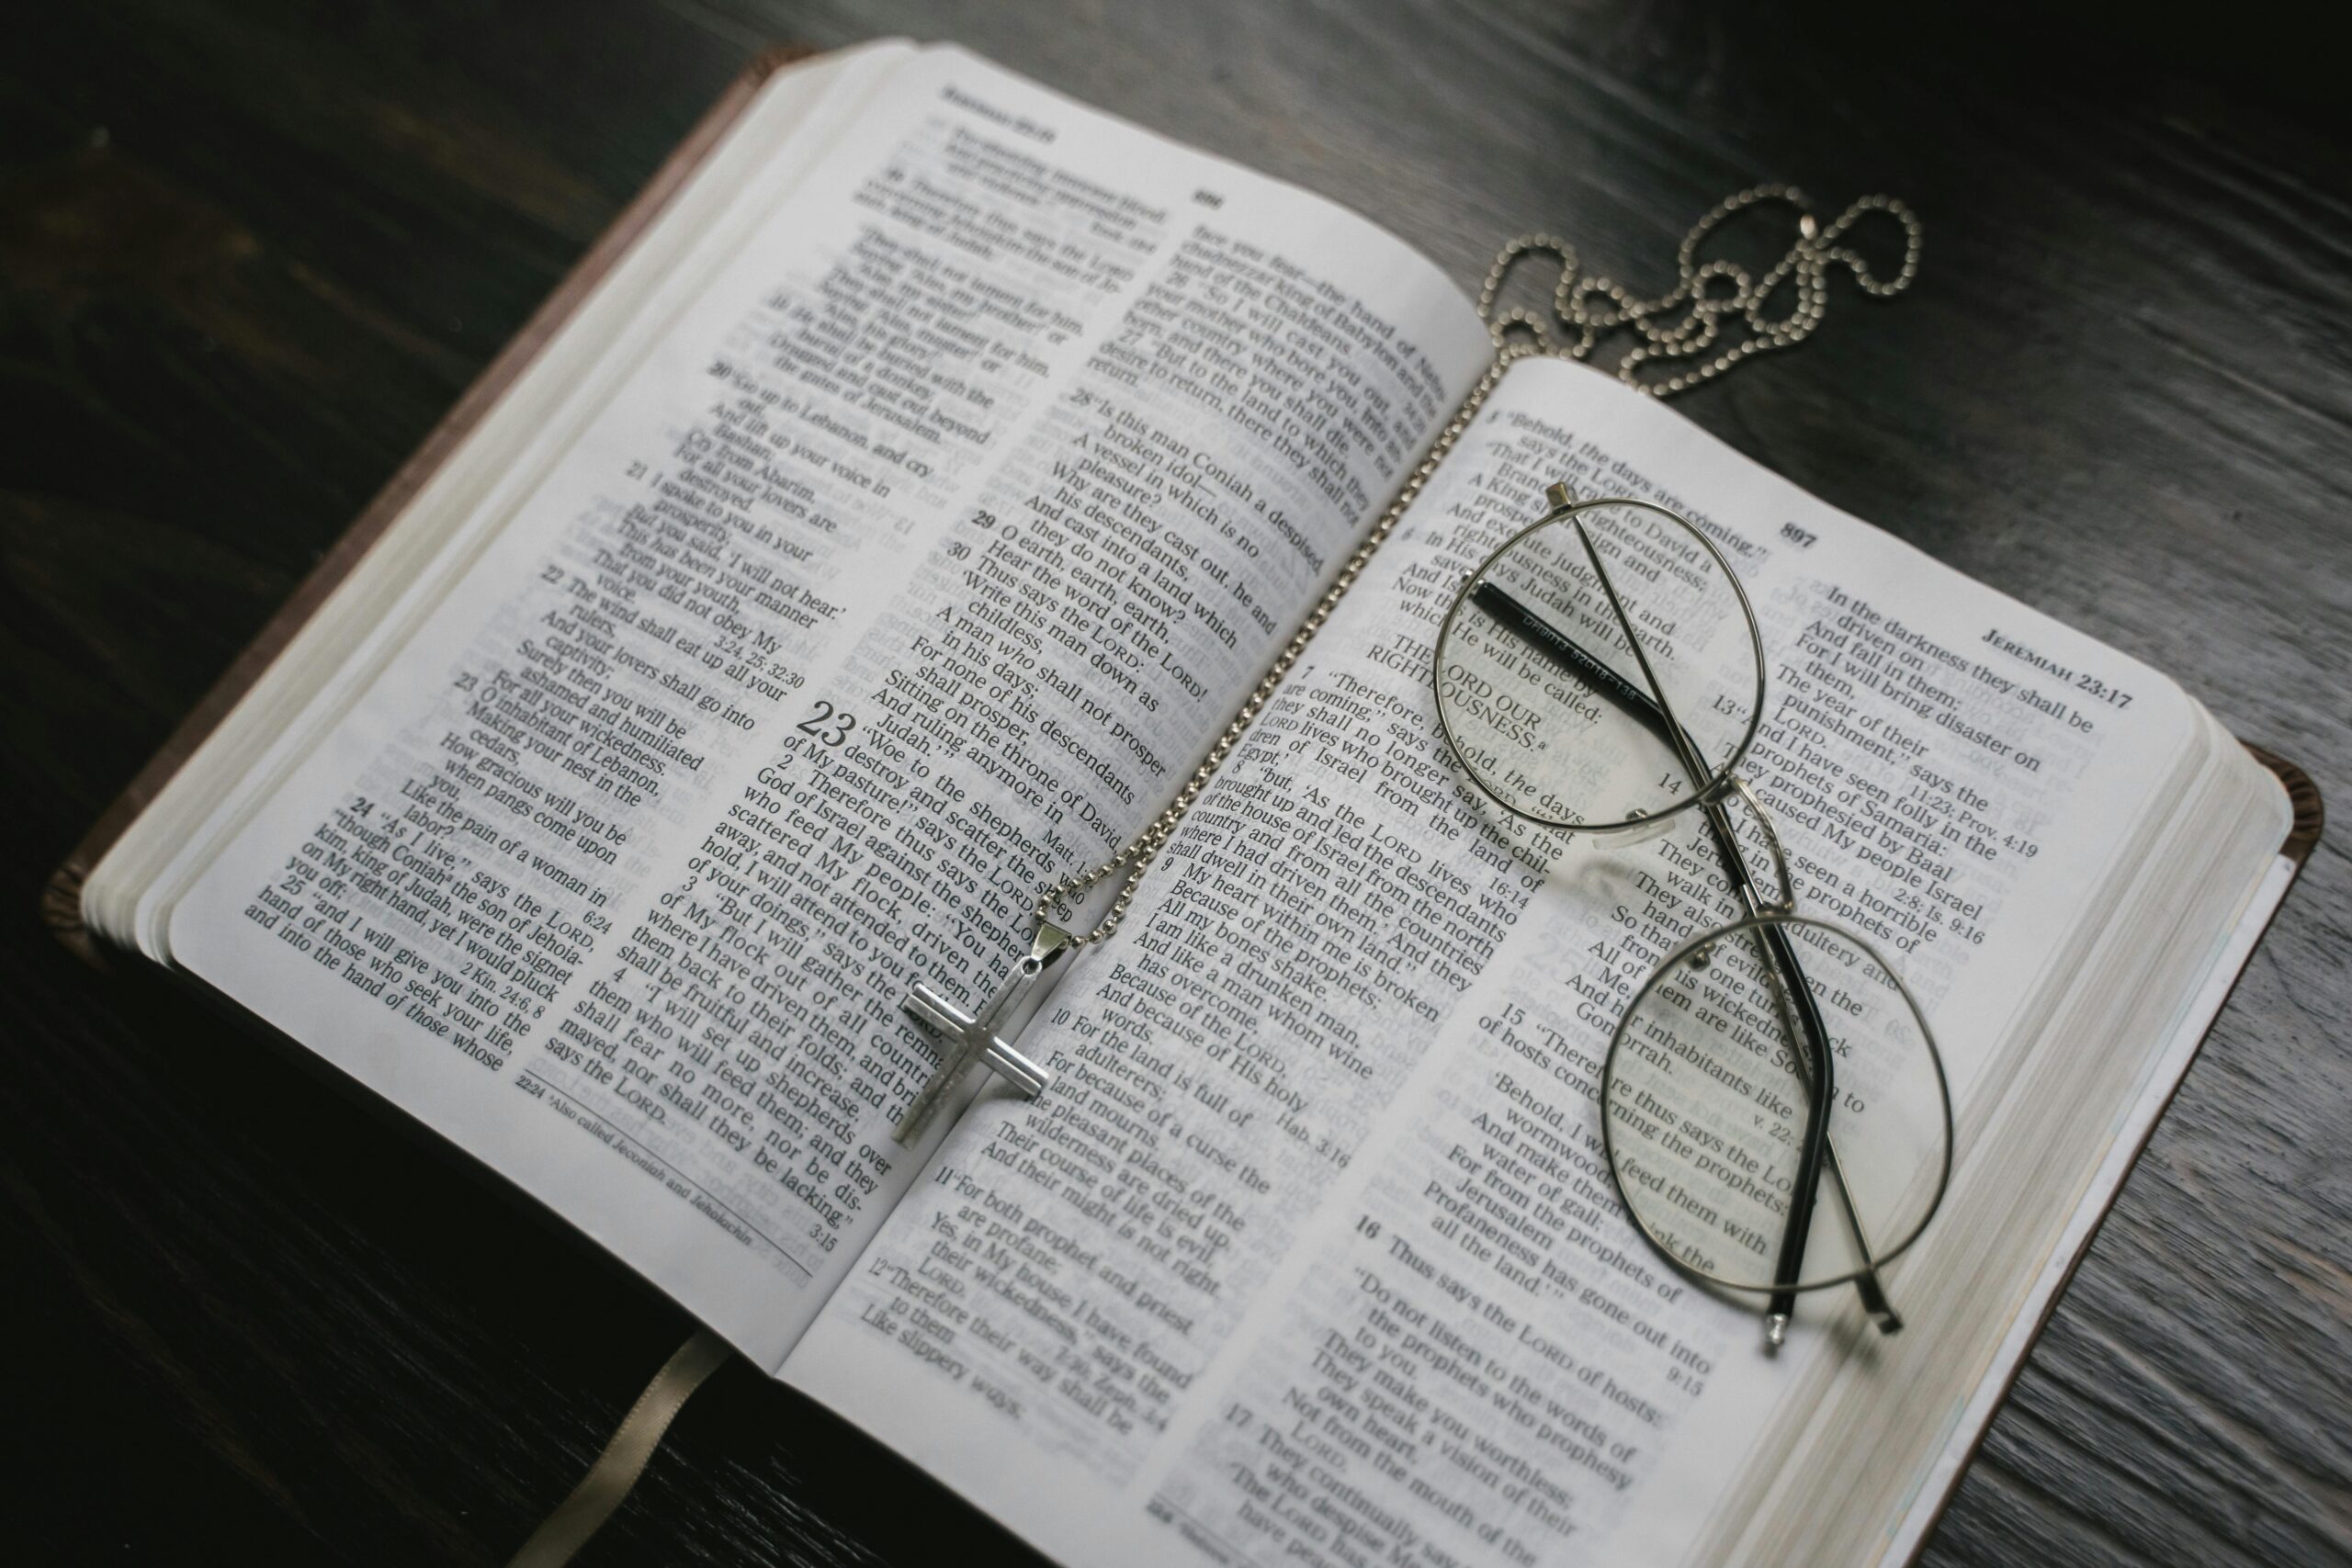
<point>966,1038</point>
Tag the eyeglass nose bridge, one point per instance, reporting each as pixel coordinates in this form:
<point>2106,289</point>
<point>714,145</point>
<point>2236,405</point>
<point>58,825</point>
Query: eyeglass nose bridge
<point>1786,904</point>
<point>1752,892</point>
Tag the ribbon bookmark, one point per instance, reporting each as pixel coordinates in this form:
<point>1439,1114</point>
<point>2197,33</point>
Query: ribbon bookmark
<point>562,1533</point>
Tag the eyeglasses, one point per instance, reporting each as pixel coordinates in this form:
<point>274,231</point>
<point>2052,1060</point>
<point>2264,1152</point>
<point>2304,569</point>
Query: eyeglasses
<point>1603,671</point>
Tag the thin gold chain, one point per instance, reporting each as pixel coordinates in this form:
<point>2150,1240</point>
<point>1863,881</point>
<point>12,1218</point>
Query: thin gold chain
<point>1678,326</point>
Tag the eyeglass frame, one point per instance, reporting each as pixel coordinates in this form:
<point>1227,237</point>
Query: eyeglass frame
<point>1766,918</point>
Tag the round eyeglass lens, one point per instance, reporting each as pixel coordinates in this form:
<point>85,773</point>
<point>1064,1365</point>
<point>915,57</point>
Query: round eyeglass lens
<point>1552,661</point>
<point>1707,1087</point>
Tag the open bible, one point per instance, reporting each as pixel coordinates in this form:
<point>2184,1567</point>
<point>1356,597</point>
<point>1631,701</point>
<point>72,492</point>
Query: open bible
<point>887,524</point>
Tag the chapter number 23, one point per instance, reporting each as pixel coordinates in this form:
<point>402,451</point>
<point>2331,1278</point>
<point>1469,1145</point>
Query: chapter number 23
<point>829,726</point>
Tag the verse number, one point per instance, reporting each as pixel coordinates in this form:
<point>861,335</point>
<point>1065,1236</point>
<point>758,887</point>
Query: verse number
<point>2111,695</point>
<point>830,726</point>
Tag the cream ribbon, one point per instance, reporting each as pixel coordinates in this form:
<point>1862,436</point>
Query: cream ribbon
<point>580,1516</point>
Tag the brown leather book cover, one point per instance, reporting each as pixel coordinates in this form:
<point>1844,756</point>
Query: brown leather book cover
<point>62,899</point>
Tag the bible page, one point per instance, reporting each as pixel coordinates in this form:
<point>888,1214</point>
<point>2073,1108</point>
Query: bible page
<point>1312,1254</point>
<point>911,564</point>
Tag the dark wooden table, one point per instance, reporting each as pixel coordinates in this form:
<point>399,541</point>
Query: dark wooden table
<point>248,254</point>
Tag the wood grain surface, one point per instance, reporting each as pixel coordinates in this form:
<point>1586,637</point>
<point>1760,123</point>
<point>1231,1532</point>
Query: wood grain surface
<point>249,253</point>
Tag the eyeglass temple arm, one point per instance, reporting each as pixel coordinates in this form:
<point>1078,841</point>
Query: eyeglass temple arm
<point>1781,956</point>
<point>1790,1266</point>
<point>1653,711</point>
<point>1792,994</point>
<point>1565,651</point>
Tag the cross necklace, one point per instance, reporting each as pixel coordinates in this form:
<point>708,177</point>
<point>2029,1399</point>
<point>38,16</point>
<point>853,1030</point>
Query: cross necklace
<point>968,1038</point>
